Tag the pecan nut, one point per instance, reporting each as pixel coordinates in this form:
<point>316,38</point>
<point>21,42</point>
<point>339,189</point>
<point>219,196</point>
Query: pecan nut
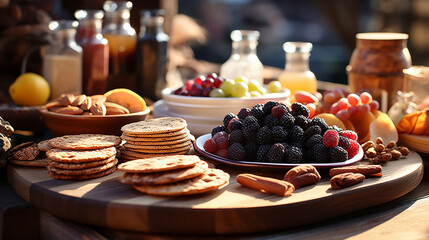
<point>367,170</point>
<point>346,180</point>
<point>302,175</point>
<point>266,184</point>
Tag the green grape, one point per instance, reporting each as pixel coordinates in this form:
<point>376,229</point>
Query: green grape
<point>241,79</point>
<point>239,89</point>
<point>274,87</point>
<point>262,90</point>
<point>254,85</point>
<point>217,92</point>
<point>226,87</point>
<point>255,94</point>
<point>248,95</point>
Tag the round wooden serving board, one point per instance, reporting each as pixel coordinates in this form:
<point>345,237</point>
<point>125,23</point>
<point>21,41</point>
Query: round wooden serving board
<point>108,203</point>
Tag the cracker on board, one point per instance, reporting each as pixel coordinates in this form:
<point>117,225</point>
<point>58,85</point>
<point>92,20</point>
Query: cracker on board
<point>44,146</point>
<point>157,136</point>
<point>86,171</point>
<point>159,142</point>
<point>42,162</point>
<point>77,156</point>
<point>82,177</point>
<point>85,141</point>
<point>154,147</point>
<point>177,151</point>
<point>157,164</point>
<point>83,165</point>
<point>155,125</point>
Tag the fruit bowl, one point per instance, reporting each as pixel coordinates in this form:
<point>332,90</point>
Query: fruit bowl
<point>62,124</point>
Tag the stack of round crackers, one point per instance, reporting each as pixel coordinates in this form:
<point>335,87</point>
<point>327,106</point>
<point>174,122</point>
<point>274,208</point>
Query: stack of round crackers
<point>83,156</point>
<point>173,175</point>
<point>155,137</point>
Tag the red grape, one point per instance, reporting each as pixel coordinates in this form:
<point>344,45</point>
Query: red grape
<point>341,104</point>
<point>365,97</point>
<point>343,115</point>
<point>189,84</point>
<point>206,92</point>
<point>199,80</point>
<point>364,108</point>
<point>330,98</point>
<point>212,75</point>
<point>354,99</point>
<point>196,90</point>
<point>353,111</point>
<point>208,83</point>
<point>217,82</point>
<point>374,105</point>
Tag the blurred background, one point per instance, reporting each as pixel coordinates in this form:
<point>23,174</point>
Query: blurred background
<point>200,31</point>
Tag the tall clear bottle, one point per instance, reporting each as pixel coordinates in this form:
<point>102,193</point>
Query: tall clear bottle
<point>151,54</point>
<point>95,51</point>
<point>122,44</point>
<point>62,62</point>
<point>297,74</point>
<point>243,61</point>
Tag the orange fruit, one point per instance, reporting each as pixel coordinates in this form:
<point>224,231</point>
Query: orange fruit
<point>361,124</point>
<point>30,89</point>
<point>349,125</point>
<point>126,98</point>
<point>383,127</point>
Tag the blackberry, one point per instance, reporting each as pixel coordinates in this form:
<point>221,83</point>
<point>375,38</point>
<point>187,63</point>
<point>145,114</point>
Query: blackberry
<point>237,136</point>
<point>258,113</point>
<point>236,152</point>
<point>287,120</point>
<point>312,130</point>
<point>228,118</point>
<point>251,150</point>
<point>338,154</point>
<point>301,121</point>
<point>261,155</point>
<point>344,142</point>
<point>296,134</point>
<point>320,153</point>
<point>308,156</point>
<point>313,140</point>
<point>219,128</point>
<point>270,121</point>
<point>336,128</point>
<point>264,136</point>
<point>300,109</point>
<point>275,154</point>
<point>268,106</point>
<point>280,134</point>
<point>244,112</point>
<point>297,145</point>
<point>250,127</point>
<point>321,123</point>
<point>234,124</point>
<point>294,155</point>
<point>279,110</point>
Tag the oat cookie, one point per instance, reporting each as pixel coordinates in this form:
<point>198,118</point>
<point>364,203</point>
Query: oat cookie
<point>77,156</point>
<point>85,141</point>
<point>164,177</point>
<point>138,155</point>
<point>20,146</point>
<point>86,171</point>
<point>83,165</point>
<point>44,146</point>
<point>209,180</point>
<point>157,137</point>
<point>155,147</point>
<point>42,162</point>
<point>181,150</point>
<point>158,164</point>
<point>159,143</point>
<point>27,153</point>
<point>82,177</point>
<point>156,125</point>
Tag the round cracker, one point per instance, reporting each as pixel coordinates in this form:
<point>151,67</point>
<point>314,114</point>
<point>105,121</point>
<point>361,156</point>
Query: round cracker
<point>164,177</point>
<point>160,143</point>
<point>209,180</point>
<point>78,156</point>
<point>158,164</point>
<point>83,165</point>
<point>154,147</point>
<point>87,171</point>
<point>137,155</point>
<point>85,141</point>
<point>155,126</point>
<point>43,162</point>
<point>157,136</point>
<point>44,146</point>
<point>82,177</point>
<point>177,151</point>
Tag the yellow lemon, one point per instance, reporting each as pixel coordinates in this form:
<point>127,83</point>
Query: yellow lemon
<point>30,89</point>
<point>126,98</point>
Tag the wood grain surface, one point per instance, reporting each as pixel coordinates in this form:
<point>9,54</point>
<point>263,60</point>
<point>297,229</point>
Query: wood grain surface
<point>107,203</point>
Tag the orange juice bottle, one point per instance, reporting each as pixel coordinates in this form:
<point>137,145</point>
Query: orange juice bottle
<point>297,74</point>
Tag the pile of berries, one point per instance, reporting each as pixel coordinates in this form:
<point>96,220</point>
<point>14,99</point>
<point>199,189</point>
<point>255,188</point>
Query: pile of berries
<point>275,133</point>
<point>200,86</point>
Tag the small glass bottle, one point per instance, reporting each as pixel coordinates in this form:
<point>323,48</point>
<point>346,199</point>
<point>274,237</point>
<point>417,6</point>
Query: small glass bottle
<point>62,62</point>
<point>151,54</point>
<point>95,51</point>
<point>122,44</point>
<point>297,74</point>
<point>243,60</point>
<point>405,104</point>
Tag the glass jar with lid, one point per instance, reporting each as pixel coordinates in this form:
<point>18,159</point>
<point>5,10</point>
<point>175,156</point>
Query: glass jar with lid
<point>243,61</point>
<point>95,51</point>
<point>122,43</point>
<point>297,74</point>
<point>62,62</point>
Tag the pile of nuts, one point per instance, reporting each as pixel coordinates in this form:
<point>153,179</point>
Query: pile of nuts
<point>378,152</point>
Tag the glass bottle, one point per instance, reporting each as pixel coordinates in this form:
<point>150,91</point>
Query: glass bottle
<point>243,60</point>
<point>405,104</point>
<point>122,44</point>
<point>95,51</point>
<point>297,74</point>
<point>62,62</point>
<point>151,54</point>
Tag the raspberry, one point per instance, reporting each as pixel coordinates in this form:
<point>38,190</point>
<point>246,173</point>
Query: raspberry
<point>300,109</point>
<point>353,149</point>
<point>287,120</point>
<point>278,111</point>
<point>268,106</point>
<point>338,154</point>
<point>271,121</point>
<point>343,142</point>
<point>280,134</point>
<point>311,131</point>
<point>220,134</point>
<point>296,134</point>
<point>294,155</point>
<point>222,153</point>
<point>250,127</point>
<point>219,128</point>
<point>236,152</point>
<point>264,135</point>
<point>228,118</point>
<point>244,112</point>
<point>234,124</point>
<point>321,123</point>
<point>330,138</point>
<point>251,150</point>
<point>336,128</point>
<point>222,143</point>
<point>261,155</point>
<point>210,145</point>
<point>258,113</point>
<point>349,134</point>
<point>313,140</point>
<point>321,153</point>
<point>301,121</point>
<point>276,152</point>
<point>236,136</point>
